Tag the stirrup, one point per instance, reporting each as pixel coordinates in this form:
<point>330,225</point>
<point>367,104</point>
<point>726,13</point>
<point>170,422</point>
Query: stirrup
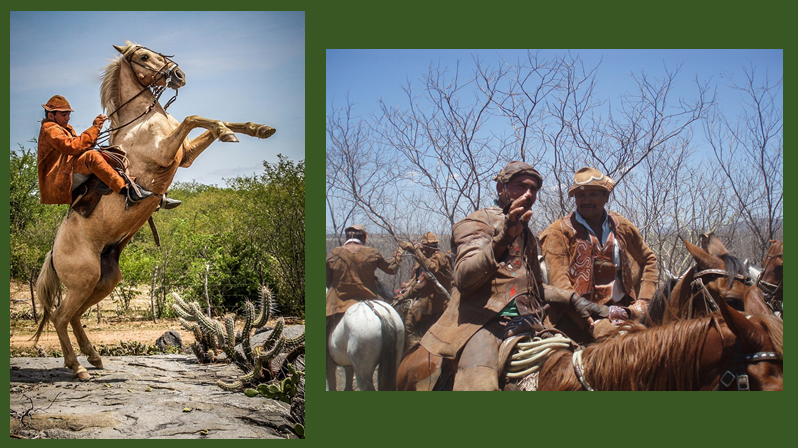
<point>135,193</point>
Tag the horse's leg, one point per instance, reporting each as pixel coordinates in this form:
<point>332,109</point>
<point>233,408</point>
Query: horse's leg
<point>110,276</point>
<point>332,383</point>
<point>349,374</point>
<point>364,378</point>
<point>61,318</point>
<point>216,130</point>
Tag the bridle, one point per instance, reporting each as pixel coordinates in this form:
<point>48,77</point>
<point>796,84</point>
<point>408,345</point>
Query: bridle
<point>737,372</point>
<point>166,71</point>
<point>770,290</point>
<point>700,290</point>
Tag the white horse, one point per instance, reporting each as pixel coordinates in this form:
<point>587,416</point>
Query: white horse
<point>371,333</point>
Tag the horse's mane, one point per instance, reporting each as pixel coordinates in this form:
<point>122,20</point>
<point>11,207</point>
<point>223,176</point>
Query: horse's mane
<point>658,305</point>
<point>774,328</point>
<point>109,89</point>
<point>659,358</point>
<point>733,267</point>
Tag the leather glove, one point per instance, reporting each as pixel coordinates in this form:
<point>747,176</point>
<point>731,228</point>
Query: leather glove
<point>98,122</point>
<point>586,308</point>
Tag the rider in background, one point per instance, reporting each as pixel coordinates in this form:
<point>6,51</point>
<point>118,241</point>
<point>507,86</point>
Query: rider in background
<point>498,283</point>
<point>599,255</point>
<point>66,159</point>
<point>350,274</point>
<point>430,300</point>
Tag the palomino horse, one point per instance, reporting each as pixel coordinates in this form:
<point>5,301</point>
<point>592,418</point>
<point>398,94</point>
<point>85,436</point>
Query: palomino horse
<point>716,276</point>
<point>85,254</point>
<point>371,333</point>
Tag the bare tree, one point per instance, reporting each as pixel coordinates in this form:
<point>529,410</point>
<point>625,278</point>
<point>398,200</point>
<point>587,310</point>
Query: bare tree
<point>749,153</point>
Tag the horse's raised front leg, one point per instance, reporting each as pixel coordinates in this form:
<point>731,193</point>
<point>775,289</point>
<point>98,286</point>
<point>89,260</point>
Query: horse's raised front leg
<point>216,130</point>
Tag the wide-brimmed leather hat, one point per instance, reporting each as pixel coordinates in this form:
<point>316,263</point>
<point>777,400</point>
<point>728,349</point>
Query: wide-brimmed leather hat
<point>590,178</point>
<point>57,103</point>
<point>429,239</point>
<point>357,228</point>
<point>516,168</point>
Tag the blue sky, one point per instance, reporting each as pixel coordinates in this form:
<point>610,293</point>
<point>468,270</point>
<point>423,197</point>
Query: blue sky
<point>366,75</point>
<point>239,66</point>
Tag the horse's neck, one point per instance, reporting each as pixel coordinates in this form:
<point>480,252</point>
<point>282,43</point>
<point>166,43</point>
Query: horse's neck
<point>152,168</point>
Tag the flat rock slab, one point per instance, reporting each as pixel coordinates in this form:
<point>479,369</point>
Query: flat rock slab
<point>139,397</point>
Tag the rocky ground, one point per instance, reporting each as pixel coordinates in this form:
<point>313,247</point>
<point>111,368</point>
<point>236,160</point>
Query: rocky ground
<point>134,397</point>
<point>139,397</point>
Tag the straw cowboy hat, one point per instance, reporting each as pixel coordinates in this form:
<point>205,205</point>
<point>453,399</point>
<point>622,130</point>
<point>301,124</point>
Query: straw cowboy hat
<point>590,178</point>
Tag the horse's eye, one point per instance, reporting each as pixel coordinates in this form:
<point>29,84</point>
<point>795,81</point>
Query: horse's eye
<point>145,57</point>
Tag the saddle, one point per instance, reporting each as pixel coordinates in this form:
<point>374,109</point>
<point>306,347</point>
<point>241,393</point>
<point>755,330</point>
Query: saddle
<point>87,195</point>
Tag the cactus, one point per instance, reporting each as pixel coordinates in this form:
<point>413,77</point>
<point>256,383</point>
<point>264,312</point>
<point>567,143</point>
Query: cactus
<point>290,390</point>
<point>261,364</point>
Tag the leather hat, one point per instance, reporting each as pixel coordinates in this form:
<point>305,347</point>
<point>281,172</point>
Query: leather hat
<point>587,178</point>
<point>57,103</point>
<point>357,228</point>
<point>516,168</point>
<point>429,239</point>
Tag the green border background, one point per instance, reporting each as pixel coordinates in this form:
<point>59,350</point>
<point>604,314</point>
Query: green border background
<point>480,418</point>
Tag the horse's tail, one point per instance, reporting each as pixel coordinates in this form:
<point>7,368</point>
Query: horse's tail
<point>48,288</point>
<point>389,352</point>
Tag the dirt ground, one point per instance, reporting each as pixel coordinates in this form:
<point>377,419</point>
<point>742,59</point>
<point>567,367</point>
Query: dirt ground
<point>111,329</point>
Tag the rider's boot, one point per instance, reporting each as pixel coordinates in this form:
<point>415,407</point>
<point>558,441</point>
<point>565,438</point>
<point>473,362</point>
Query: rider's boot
<point>134,193</point>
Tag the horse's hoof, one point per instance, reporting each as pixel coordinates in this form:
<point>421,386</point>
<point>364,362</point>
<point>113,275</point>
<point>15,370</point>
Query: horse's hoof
<point>96,362</point>
<point>83,374</point>
<point>265,132</point>
<point>228,138</point>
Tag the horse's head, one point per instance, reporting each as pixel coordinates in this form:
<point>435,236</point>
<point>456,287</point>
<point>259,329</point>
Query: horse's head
<point>773,266</point>
<point>152,69</point>
<point>717,275</point>
<point>758,358</point>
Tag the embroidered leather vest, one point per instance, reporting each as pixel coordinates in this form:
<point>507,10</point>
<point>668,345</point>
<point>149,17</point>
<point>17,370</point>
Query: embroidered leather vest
<point>593,268</point>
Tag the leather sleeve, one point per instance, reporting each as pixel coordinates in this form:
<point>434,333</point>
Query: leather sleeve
<point>475,261</point>
<point>389,267</point>
<point>59,139</point>
<point>555,246</point>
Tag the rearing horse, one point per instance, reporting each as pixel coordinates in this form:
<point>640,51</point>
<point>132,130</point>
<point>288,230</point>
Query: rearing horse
<point>85,254</point>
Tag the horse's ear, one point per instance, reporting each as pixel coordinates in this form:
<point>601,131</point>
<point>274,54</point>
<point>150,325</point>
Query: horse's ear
<point>712,244</point>
<point>120,49</point>
<point>703,259</point>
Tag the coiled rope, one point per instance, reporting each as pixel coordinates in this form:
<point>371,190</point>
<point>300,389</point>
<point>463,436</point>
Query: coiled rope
<point>530,353</point>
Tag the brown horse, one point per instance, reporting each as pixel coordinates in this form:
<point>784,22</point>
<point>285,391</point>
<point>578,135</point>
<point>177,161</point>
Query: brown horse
<point>771,280</point>
<point>85,254</point>
<point>707,353</point>
<point>717,275</point>
<point>716,352</point>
